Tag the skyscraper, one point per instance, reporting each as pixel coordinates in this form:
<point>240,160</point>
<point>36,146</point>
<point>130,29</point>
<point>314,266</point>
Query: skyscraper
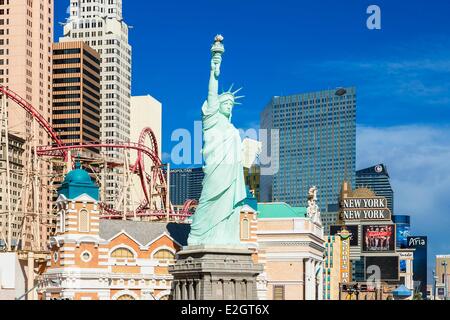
<point>377,179</point>
<point>146,112</point>
<point>100,24</point>
<point>403,230</point>
<point>442,277</point>
<point>76,93</point>
<point>185,184</point>
<point>16,150</point>
<point>420,266</point>
<point>26,36</point>
<point>317,144</point>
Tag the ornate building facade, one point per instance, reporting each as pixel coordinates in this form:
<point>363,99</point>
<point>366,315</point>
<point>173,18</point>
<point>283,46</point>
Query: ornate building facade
<point>362,260</point>
<point>93,259</point>
<point>291,248</point>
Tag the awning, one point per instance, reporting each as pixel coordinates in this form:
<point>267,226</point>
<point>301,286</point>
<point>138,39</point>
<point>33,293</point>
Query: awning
<point>402,291</point>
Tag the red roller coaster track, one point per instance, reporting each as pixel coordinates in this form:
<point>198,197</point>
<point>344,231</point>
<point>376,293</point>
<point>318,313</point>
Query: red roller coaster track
<point>36,115</point>
<point>157,178</point>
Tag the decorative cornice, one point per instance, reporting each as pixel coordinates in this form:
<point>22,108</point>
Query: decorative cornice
<point>293,243</point>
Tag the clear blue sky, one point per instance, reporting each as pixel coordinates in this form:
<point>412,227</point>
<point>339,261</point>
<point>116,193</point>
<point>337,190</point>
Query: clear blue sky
<point>402,74</point>
<point>286,47</point>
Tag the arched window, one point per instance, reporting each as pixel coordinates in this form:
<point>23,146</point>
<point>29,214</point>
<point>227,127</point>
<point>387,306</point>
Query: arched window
<point>126,297</point>
<point>122,253</point>
<point>164,254</point>
<point>245,229</point>
<point>83,222</point>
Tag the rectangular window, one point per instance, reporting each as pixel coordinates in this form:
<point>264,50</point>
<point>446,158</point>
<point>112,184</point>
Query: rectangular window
<point>66,51</point>
<point>83,221</point>
<point>66,70</point>
<point>66,61</point>
<point>278,293</point>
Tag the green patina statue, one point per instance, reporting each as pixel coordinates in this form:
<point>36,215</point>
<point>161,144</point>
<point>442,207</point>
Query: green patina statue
<point>216,220</point>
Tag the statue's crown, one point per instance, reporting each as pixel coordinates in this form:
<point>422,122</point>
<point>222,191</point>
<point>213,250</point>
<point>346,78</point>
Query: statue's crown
<point>230,95</point>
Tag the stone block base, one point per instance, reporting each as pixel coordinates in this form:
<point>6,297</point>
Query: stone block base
<point>215,273</point>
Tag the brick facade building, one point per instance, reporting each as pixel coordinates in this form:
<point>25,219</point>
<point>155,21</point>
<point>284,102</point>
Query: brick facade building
<point>93,259</point>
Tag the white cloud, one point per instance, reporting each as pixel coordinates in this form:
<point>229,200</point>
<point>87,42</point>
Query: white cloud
<point>418,161</point>
<point>435,65</point>
<point>424,78</point>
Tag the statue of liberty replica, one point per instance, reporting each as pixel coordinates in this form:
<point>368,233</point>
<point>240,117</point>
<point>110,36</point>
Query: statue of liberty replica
<point>215,265</point>
<point>216,220</point>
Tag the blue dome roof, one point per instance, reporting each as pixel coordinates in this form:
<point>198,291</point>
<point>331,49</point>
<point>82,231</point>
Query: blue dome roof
<point>78,182</point>
<point>78,176</point>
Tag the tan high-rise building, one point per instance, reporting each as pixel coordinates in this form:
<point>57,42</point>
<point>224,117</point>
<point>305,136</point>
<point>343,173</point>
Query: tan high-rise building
<point>26,35</point>
<point>15,155</point>
<point>101,25</point>
<point>76,93</point>
<point>146,112</point>
<point>442,277</point>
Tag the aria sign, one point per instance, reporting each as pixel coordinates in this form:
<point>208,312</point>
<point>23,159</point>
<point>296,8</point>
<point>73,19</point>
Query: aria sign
<point>369,209</point>
<point>414,242</point>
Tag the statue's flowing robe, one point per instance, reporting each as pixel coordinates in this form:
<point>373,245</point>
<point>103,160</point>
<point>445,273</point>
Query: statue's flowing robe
<point>216,220</point>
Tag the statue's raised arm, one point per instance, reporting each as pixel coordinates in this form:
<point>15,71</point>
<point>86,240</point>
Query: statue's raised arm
<point>217,51</point>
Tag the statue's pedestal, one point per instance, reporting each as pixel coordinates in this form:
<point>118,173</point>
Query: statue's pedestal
<point>215,273</point>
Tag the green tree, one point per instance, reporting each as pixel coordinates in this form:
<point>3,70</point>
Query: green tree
<point>417,296</point>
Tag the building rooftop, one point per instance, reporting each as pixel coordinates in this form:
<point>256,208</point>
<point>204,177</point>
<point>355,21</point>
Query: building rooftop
<point>144,232</point>
<point>78,182</point>
<point>378,170</point>
<point>280,210</point>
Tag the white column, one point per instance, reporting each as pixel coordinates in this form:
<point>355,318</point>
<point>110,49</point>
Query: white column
<point>320,280</point>
<point>307,273</point>
<point>30,276</point>
<point>309,281</point>
<point>178,290</point>
<point>313,279</point>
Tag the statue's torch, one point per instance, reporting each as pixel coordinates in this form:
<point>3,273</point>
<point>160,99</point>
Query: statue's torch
<point>217,50</point>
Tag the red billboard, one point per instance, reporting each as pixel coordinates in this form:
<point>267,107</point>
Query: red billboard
<point>379,238</point>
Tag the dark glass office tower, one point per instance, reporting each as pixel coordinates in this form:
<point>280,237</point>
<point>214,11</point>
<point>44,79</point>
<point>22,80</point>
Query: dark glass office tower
<point>317,145</point>
<point>185,184</point>
<point>420,265</point>
<point>403,227</point>
<point>377,179</point>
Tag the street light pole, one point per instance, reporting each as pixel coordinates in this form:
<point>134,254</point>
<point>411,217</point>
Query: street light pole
<point>40,281</point>
<point>434,284</point>
<point>29,291</point>
<point>168,204</point>
<point>444,264</point>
